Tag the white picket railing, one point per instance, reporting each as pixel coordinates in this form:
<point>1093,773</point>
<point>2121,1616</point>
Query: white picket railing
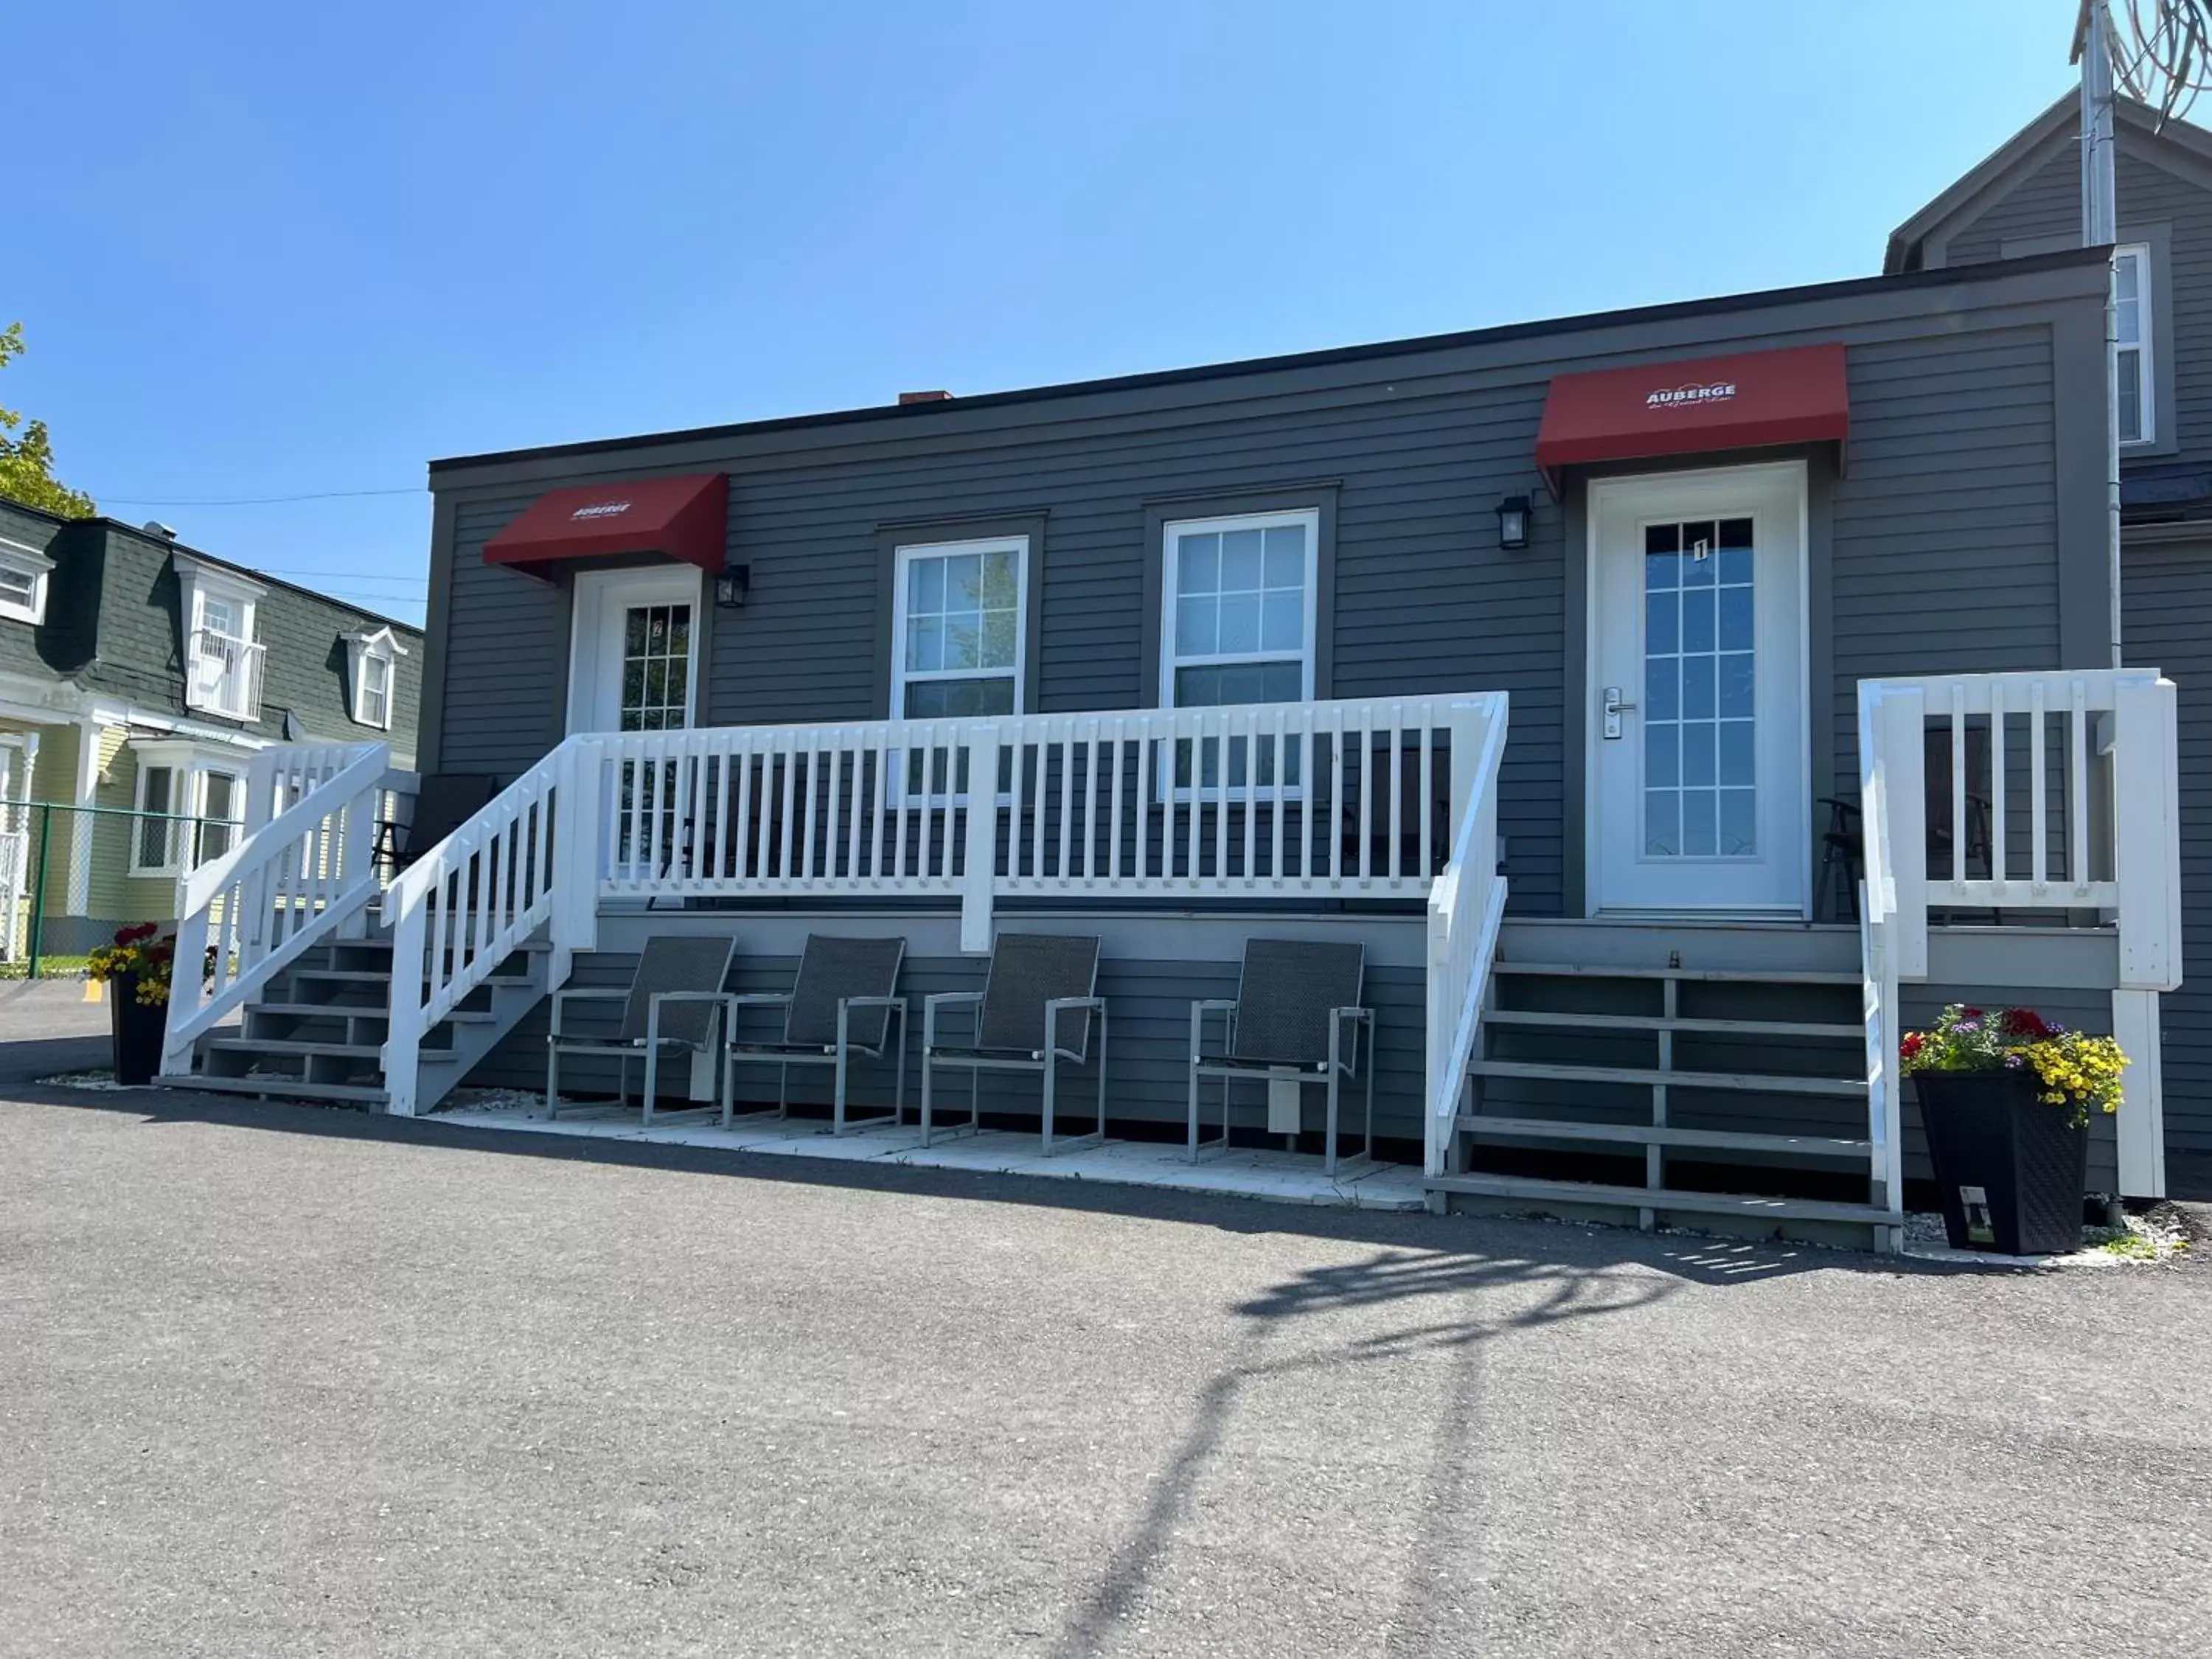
<point>1467,905</point>
<point>304,867</point>
<point>461,908</point>
<point>2052,793</point>
<point>1337,798</point>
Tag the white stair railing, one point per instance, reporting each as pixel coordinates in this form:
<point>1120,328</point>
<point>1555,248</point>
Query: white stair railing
<point>1467,905</point>
<point>2052,794</point>
<point>523,863</point>
<point>300,872</point>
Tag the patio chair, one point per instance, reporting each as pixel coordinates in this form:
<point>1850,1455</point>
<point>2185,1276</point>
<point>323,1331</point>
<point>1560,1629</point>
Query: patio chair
<point>840,1004</point>
<point>1294,1000</point>
<point>445,801</point>
<point>1843,856</point>
<point>669,1003</point>
<point>1033,1012</point>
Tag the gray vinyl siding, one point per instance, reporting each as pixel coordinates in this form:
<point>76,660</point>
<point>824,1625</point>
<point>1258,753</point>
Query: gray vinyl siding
<point>1945,528</point>
<point>2046,203</point>
<point>1945,546</point>
<point>2167,590</point>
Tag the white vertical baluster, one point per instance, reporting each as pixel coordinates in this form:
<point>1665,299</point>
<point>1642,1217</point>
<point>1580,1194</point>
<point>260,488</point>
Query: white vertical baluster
<point>1282,764</point>
<point>1392,869</point>
<point>1120,744</point>
<point>1959,786</point>
<point>2077,767</point>
<point>787,752</point>
<point>2039,804</point>
<point>1223,723</point>
<point>1090,805</point>
<point>1996,789</point>
<point>806,843</point>
<point>1147,787</point>
<point>904,757</point>
<point>1253,738</point>
<point>1428,790</point>
<point>1331,841</point>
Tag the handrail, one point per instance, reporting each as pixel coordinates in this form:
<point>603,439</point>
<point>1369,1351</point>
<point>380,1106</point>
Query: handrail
<point>1467,906</point>
<point>465,904</point>
<point>286,883</point>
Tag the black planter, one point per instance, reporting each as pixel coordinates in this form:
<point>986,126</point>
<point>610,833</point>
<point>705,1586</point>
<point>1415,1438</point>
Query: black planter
<point>139,1028</point>
<point>1988,1130</point>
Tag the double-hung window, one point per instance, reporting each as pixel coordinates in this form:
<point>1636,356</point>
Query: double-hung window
<point>1239,598</point>
<point>959,640</point>
<point>373,666</point>
<point>2135,358</point>
<point>221,658</point>
<point>23,573</point>
<point>189,809</point>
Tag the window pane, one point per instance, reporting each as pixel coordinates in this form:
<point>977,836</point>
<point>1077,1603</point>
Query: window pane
<point>925,586</point>
<point>1698,620</point>
<point>1283,621</point>
<point>1739,823</point>
<point>1736,686</point>
<point>2130,396</point>
<point>1698,752</point>
<point>1662,823</point>
<point>1198,564</point>
<point>1223,683</point>
<point>1738,755</point>
<point>1240,560</point>
<point>1196,627</point>
<point>1001,581</point>
<point>1286,556</point>
<point>1661,622</point>
<point>963,582</point>
<point>1697,829</point>
<point>159,783</point>
<point>998,639</point>
<point>16,587</point>
<point>1240,622</point>
<point>963,640</point>
<point>1697,688</point>
<point>1735,619</point>
<point>931,700</point>
<point>925,643</point>
<point>1662,698</point>
<point>1662,757</point>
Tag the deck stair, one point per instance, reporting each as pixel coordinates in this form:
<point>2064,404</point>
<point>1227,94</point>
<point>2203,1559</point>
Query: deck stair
<point>317,1031</point>
<point>1668,1071</point>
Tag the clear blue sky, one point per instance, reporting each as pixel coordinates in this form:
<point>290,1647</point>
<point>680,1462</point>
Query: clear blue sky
<point>267,249</point>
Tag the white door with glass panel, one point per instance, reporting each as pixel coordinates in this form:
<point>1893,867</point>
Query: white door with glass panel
<point>634,650</point>
<point>1699,781</point>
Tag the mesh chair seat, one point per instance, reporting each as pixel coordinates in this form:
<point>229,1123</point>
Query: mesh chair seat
<point>1297,1014</point>
<point>858,977</point>
<point>1028,974</point>
<point>691,967</point>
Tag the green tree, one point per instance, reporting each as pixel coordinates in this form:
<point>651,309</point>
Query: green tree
<point>27,464</point>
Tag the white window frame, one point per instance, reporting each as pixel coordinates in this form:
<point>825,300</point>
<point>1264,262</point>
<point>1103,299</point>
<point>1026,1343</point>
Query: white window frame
<point>35,567</point>
<point>2145,345</point>
<point>361,649</point>
<point>189,766</point>
<point>199,581</point>
<point>1171,535</point>
<point>904,558</point>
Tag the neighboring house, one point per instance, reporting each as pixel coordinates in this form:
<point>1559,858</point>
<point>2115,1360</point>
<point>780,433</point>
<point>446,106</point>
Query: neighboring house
<point>1342,645</point>
<point>139,676</point>
<point>2026,199</point>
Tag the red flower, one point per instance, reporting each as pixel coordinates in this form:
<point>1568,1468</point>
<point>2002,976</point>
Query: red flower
<point>1970,1013</point>
<point>132,935</point>
<point>2026,1022</point>
<point>1913,1043</point>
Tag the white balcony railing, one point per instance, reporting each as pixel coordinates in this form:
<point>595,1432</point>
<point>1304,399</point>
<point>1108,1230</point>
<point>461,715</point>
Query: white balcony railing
<point>1353,798</point>
<point>222,675</point>
<point>2027,795</point>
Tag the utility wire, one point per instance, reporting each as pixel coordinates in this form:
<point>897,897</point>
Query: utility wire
<point>243,501</point>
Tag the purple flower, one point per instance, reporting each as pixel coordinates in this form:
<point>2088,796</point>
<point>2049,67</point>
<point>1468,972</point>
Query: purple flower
<point>2015,1059</point>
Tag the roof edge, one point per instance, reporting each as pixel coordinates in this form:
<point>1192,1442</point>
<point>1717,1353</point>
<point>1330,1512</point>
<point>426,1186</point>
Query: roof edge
<point>1711,306</point>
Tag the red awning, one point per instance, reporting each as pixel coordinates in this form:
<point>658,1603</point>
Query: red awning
<point>677,517</point>
<point>1753,400</point>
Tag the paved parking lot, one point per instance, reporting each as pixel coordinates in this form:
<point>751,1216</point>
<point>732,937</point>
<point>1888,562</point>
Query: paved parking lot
<point>282,1380</point>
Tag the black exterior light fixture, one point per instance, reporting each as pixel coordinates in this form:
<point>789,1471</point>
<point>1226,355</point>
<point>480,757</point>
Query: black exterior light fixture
<point>1513,523</point>
<point>731,587</point>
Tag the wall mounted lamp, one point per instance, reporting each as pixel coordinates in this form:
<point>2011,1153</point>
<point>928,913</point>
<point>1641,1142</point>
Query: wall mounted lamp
<point>1513,523</point>
<point>731,587</point>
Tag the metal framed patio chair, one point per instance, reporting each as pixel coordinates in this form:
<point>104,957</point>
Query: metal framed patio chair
<point>669,1003</point>
<point>840,1004</point>
<point>445,802</point>
<point>1295,998</point>
<point>1035,1010</point>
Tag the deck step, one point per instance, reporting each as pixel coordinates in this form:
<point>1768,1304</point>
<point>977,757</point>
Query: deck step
<point>1662,1198</point>
<point>301,1046</point>
<point>1715,975</point>
<point>277,1088</point>
<point>1757,1083</point>
<point>1672,1023</point>
<point>1647,1134</point>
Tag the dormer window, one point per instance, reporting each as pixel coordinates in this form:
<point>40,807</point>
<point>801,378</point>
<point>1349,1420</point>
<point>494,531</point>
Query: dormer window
<point>372,676</point>
<point>222,659</point>
<point>23,573</point>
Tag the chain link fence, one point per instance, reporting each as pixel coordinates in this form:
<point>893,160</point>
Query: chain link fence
<point>71,875</point>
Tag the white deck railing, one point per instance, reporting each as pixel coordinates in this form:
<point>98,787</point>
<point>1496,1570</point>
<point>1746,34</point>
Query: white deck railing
<point>1346,799</point>
<point>1467,905</point>
<point>2031,793</point>
<point>304,867</point>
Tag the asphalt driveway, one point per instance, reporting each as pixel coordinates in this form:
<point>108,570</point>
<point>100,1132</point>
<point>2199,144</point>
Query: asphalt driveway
<point>280,1381</point>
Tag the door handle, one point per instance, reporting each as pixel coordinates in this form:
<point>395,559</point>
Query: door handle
<point>1615,709</point>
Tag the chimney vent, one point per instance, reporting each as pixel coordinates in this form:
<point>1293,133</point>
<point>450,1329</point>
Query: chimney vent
<point>906,397</point>
<point>168,532</point>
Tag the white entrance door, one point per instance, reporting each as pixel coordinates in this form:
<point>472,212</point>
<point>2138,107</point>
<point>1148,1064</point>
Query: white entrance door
<point>633,655</point>
<point>1699,781</point>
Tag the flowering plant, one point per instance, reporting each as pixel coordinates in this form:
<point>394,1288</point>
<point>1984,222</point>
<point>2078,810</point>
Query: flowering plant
<point>2071,1068</point>
<point>137,953</point>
